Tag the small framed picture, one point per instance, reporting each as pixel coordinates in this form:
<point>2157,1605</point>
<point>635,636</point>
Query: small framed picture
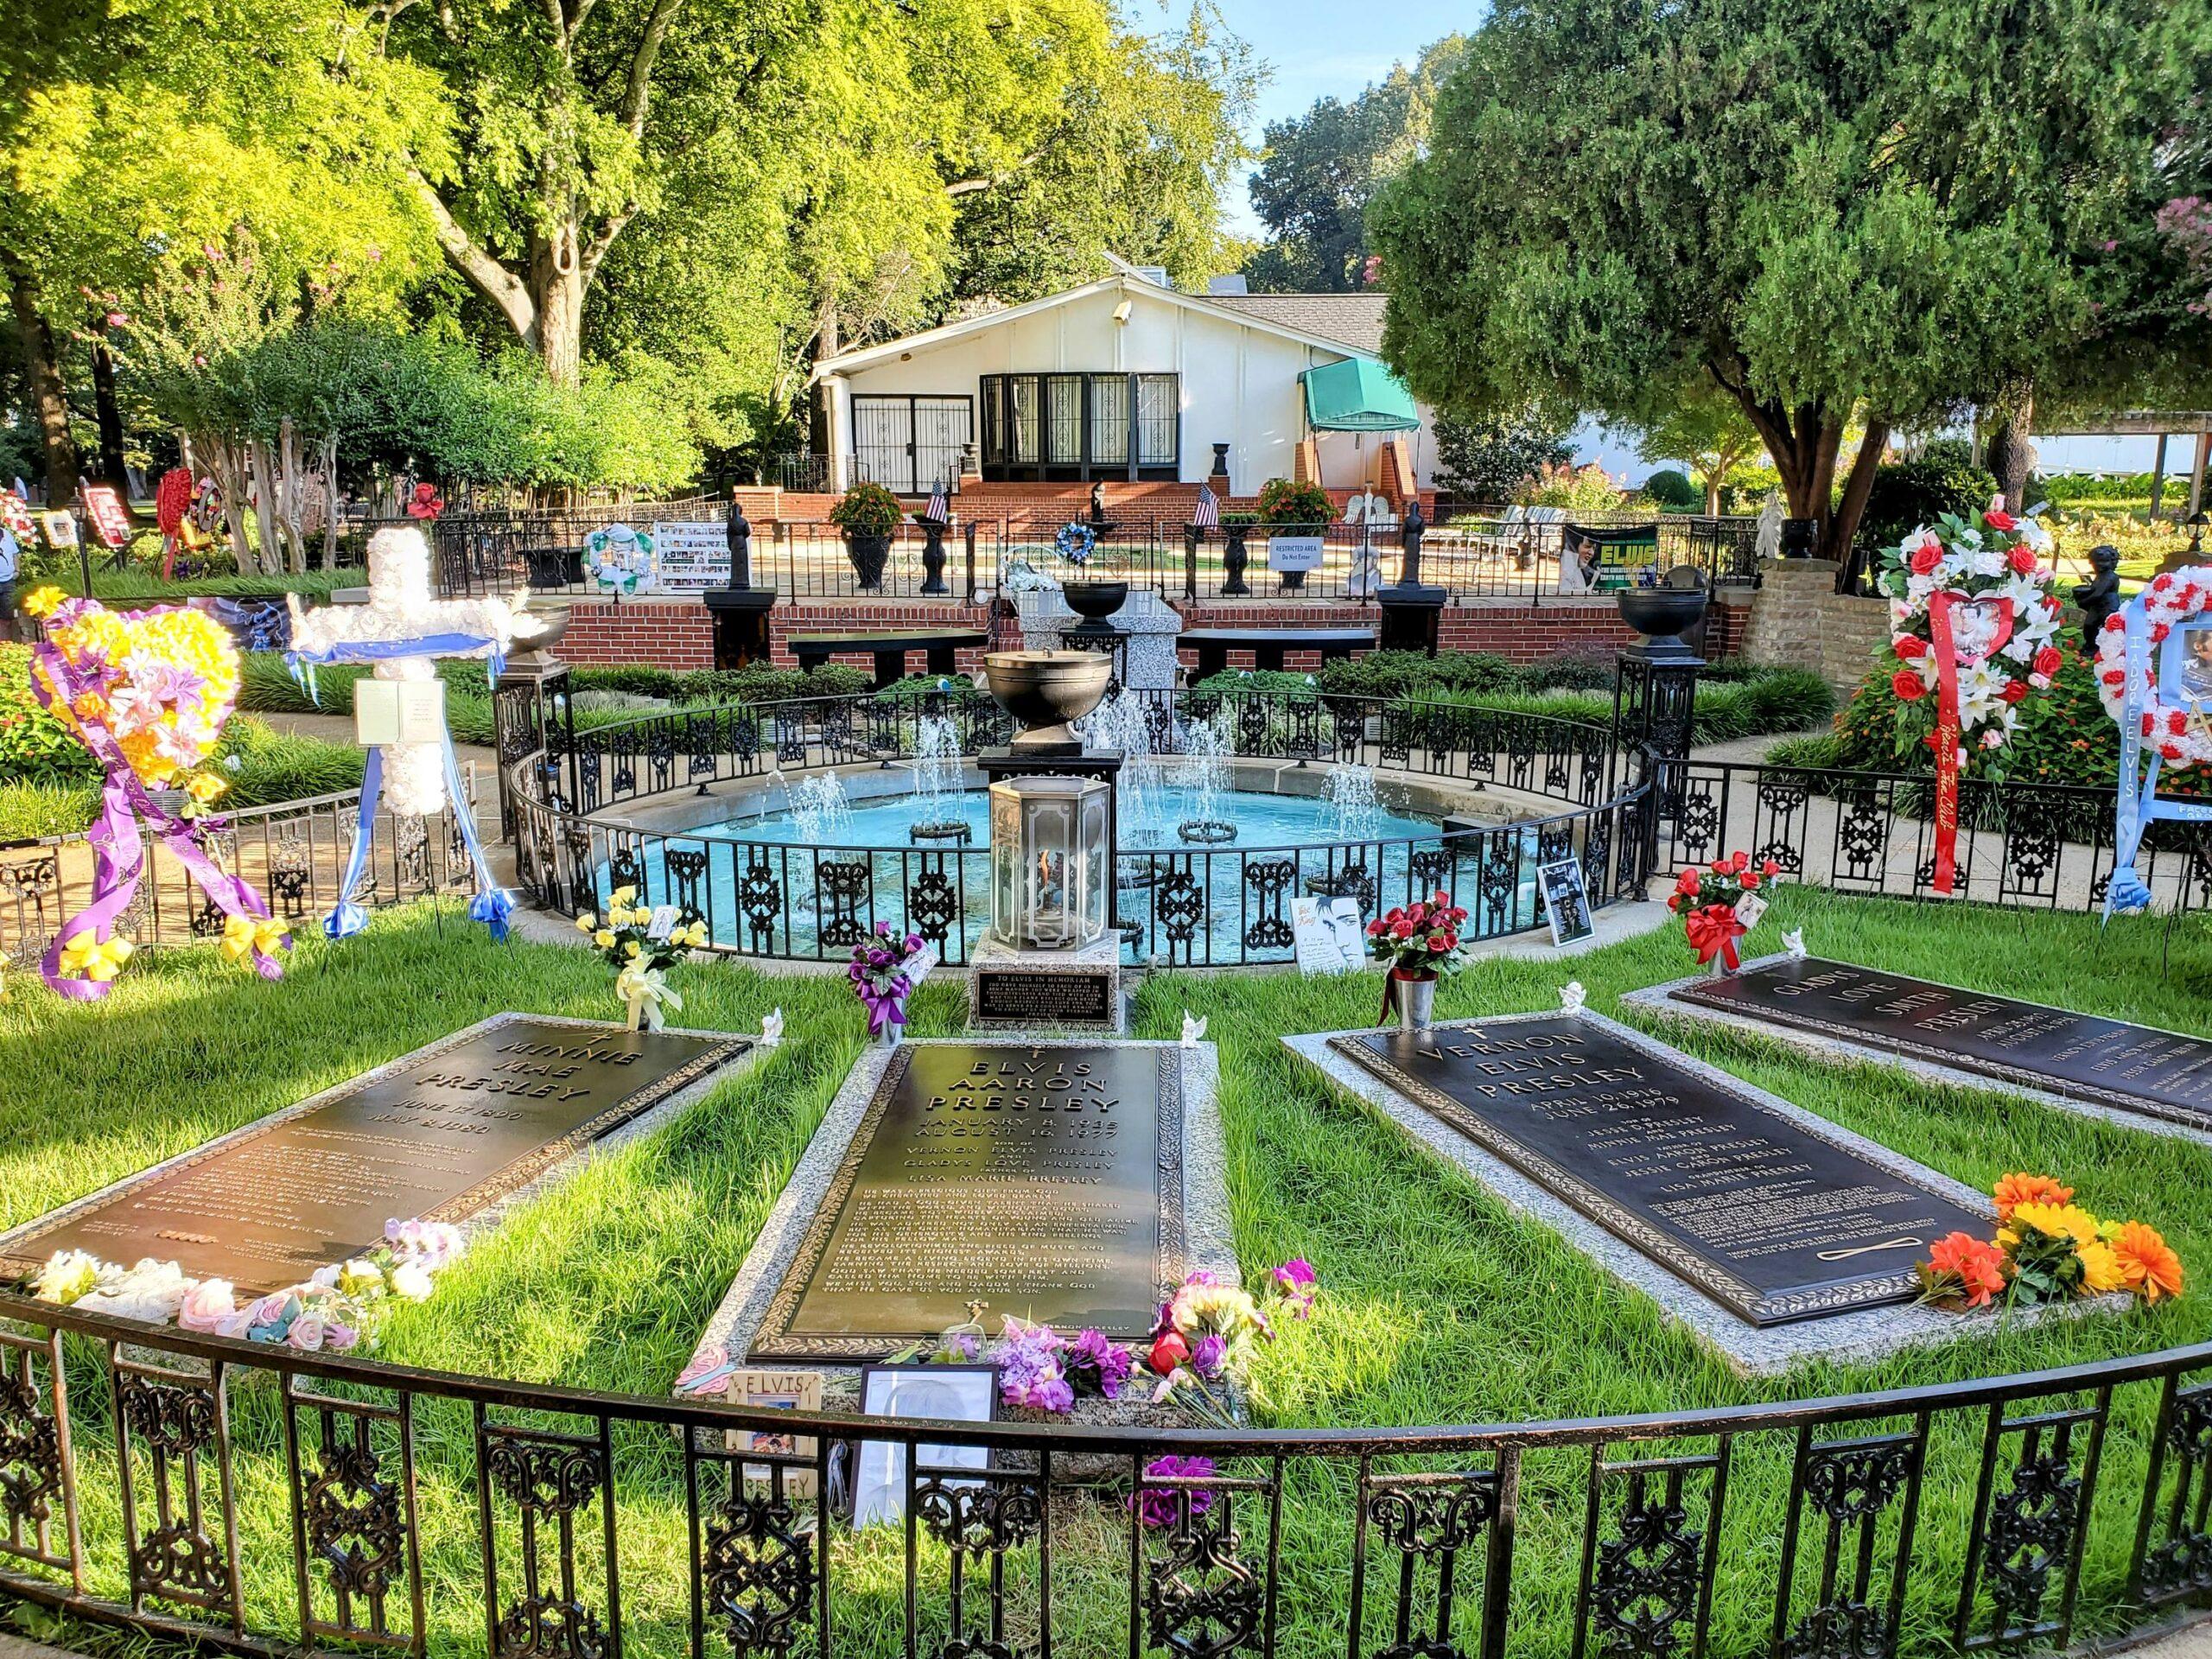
<point>765,1391</point>
<point>2185,669</point>
<point>59,528</point>
<point>964,1393</point>
<point>1567,904</point>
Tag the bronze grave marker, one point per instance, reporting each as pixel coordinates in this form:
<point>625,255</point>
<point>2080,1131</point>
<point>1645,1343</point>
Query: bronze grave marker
<point>1763,1212</point>
<point>1045,1179</point>
<point>438,1134</point>
<point>2109,1063</point>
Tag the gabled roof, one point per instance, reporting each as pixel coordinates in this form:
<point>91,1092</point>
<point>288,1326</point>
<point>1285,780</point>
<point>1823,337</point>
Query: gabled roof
<point>1124,278</point>
<point>1353,320</point>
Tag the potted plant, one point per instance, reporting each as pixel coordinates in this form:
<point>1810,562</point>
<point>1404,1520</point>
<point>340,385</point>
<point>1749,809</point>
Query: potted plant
<point>1305,506</point>
<point>1418,944</point>
<point>869,515</point>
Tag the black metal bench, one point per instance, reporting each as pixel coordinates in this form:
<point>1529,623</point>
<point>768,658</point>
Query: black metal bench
<point>1269,647</point>
<point>889,647</point>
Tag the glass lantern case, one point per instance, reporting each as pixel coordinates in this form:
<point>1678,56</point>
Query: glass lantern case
<point>1051,862</point>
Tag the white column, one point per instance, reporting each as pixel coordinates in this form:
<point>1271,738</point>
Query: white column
<point>837,393</point>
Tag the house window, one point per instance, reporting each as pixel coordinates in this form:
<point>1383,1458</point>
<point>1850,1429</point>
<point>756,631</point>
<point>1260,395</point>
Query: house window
<point>1070,427</point>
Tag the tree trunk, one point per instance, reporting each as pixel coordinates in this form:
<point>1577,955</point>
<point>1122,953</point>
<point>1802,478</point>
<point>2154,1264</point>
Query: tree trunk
<point>329,447</point>
<point>226,467</point>
<point>272,559</point>
<point>291,504</point>
<point>557,282</point>
<point>42,369</point>
<point>112,466</point>
<point>2009,456</point>
<point>1712,494</point>
<point>1841,530</point>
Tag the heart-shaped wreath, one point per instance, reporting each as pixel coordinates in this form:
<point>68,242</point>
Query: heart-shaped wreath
<point>2180,730</point>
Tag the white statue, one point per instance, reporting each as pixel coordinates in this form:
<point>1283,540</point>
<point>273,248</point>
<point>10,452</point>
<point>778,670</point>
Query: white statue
<point>1769,534</point>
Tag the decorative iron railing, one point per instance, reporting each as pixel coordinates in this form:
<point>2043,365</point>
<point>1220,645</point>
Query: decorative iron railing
<point>294,853</point>
<point>264,1500</point>
<point>1183,904</point>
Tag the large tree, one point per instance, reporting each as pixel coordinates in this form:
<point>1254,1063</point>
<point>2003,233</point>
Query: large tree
<point>1706,429</point>
<point>1827,211</point>
<point>1321,168</point>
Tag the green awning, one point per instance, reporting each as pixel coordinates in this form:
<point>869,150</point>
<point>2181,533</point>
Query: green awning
<point>1357,395</point>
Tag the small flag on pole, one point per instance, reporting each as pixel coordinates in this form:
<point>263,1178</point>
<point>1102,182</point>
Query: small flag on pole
<point>934,514</point>
<point>1207,513</point>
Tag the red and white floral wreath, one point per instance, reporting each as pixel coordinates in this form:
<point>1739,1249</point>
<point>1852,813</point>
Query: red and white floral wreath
<point>2182,734</point>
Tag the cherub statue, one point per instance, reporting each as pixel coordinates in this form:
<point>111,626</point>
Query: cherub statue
<point>2100,597</point>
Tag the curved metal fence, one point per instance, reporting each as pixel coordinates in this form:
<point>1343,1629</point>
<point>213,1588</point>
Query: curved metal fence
<point>265,1500</point>
<point>1186,905</point>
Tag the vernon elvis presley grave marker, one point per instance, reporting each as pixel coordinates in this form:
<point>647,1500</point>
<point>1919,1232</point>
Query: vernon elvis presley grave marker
<point>2108,1063</point>
<point>438,1134</point>
<point>1762,1211</point>
<point>1045,1181</point>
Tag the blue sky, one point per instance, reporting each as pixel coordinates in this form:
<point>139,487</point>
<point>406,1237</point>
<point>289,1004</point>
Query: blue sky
<point>1327,49</point>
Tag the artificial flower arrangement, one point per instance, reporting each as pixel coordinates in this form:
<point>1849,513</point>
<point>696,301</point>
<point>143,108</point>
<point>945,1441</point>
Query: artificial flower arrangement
<point>339,1308</point>
<point>1973,622</point>
<point>1076,542</point>
<point>1418,944</point>
<point>2048,1248</point>
<point>626,938</point>
<point>147,693</point>
<point>1707,900</point>
<point>2170,720</point>
<point>885,968</point>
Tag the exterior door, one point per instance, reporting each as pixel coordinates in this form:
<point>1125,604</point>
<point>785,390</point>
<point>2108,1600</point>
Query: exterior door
<point>910,444</point>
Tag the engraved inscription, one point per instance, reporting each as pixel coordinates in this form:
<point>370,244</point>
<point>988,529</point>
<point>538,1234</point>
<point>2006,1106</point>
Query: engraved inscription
<point>1044,999</point>
<point>1044,1179</point>
<point>2084,1057</point>
<point>1762,1212</point>
<point>443,1132</point>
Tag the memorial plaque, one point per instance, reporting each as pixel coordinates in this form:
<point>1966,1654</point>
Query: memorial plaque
<point>438,1135</point>
<point>1759,1209</point>
<point>1045,1180</point>
<point>1058,996</point>
<point>2084,1057</point>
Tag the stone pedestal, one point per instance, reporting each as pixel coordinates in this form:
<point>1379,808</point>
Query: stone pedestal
<point>1411,613</point>
<point>740,616</point>
<point>1146,624</point>
<point>1010,989</point>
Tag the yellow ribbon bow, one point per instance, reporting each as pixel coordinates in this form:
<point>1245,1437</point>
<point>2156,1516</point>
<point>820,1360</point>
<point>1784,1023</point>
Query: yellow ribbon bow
<point>645,991</point>
<point>83,956</point>
<point>246,937</point>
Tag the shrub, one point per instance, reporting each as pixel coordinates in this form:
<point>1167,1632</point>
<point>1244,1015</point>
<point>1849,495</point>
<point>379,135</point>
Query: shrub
<point>30,810</point>
<point>762,683</point>
<point>1673,490</point>
<point>1283,502</point>
<point>1270,682</point>
<point>1404,673</point>
<point>1919,492</point>
<point>274,766</point>
<point>922,685</point>
<point>35,748</point>
<point>1591,669</point>
<point>867,509</point>
<point>634,679</point>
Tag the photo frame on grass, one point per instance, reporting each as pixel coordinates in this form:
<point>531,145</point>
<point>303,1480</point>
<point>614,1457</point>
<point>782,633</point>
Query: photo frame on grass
<point>967,1394</point>
<point>757,1390</point>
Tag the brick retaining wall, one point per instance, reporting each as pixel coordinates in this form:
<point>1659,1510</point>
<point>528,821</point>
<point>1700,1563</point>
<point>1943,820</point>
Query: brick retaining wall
<point>679,634</point>
<point>1799,620</point>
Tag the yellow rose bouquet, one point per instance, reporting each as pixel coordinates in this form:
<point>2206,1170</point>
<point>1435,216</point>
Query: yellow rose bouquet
<point>642,943</point>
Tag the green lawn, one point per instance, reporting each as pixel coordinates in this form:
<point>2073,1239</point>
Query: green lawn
<point>1438,1306</point>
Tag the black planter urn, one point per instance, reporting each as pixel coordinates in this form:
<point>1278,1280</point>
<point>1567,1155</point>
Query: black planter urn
<point>869,551</point>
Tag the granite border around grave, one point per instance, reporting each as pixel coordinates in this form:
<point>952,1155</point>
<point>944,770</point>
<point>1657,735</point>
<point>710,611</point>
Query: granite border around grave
<point>731,1328</point>
<point>1836,1045</point>
<point>1852,1335</point>
<point>551,1163</point>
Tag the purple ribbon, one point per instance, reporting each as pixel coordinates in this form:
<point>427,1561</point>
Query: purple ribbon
<point>885,1004</point>
<point>118,856</point>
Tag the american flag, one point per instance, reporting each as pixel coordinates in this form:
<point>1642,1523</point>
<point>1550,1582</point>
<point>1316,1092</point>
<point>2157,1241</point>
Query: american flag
<point>1207,513</point>
<point>934,514</point>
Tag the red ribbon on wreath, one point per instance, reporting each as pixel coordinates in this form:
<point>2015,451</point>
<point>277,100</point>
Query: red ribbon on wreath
<point>1947,665</point>
<point>1713,932</point>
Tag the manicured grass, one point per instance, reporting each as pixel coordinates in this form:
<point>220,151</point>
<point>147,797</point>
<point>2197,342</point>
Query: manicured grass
<point>1439,1305</point>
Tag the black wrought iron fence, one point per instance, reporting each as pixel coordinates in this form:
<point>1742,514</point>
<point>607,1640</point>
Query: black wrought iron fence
<point>2044,846</point>
<point>813,898</point>
<point>265,1500</point>
<point>294,853</point>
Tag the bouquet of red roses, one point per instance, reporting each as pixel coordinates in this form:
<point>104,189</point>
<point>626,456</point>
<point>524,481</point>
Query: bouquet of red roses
<point>1707,899</point>
<point>1421,940</point>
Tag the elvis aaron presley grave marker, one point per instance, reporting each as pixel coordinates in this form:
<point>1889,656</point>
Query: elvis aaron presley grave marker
<point>1044,1179</point>
<point>1763,1208</point>
<point>439,1135</point>
<point>2137,1070</point>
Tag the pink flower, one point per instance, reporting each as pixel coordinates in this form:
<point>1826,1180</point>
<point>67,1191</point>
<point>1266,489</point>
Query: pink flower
<point>207,1308</point>
<point>1161,1509</point>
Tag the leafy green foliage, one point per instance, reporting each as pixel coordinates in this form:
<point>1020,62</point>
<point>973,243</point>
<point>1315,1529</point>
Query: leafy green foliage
<point>35,746</point>
<point>29,811</point>
<point>1910,493</point>
<point>1673,490</point>
<point>1497,459</point>
<point>1284,502</point>
<point>867,509</point>
<point>1707,429</point>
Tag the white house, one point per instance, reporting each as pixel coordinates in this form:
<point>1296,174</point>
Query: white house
<point>1127,378</point>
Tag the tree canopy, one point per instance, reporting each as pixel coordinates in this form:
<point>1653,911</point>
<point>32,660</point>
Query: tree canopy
<point>1827,211</point>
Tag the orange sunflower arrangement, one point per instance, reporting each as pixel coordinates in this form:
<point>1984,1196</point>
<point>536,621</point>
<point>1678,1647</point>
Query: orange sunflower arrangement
<point>2048,1248</point>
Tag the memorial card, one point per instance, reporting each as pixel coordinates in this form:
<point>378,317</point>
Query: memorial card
<point>1567,906</point>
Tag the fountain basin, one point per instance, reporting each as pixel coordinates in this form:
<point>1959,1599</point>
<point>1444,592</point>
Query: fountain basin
<point>1047,691</point>
<point>1095,600</point>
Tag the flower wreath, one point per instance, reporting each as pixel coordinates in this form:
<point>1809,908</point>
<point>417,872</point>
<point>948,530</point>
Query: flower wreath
<point>2180,731</point>
<point>1076,542</point>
